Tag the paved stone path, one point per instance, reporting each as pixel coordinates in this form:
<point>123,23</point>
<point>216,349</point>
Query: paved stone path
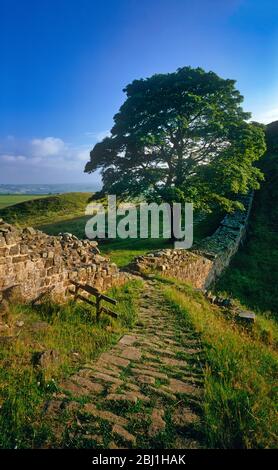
<point>145,392</point>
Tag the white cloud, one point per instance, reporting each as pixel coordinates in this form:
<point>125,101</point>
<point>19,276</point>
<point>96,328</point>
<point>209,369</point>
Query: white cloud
<point>44,160</point>
<point>48,152</point>
<point>47,147</point>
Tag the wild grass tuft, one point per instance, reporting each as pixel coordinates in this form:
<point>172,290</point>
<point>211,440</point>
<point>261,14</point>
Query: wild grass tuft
<point>240,374</point>
<point>70,330</point>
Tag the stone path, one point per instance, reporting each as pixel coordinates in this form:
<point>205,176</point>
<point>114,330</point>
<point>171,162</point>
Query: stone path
<point>144,393</point>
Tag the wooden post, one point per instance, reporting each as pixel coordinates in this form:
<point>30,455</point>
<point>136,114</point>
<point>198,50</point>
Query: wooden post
<point>98,307</point>
<point>99,297</point>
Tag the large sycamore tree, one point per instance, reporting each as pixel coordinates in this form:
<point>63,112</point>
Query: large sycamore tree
<point>181,136</point>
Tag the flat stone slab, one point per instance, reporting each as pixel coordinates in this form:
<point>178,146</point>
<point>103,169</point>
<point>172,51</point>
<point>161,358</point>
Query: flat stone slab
<point>247,316</point>
<point>118,361</point>
<point>145,379</point>
<point>184,416</point>
<point>92,410</point>
<point>92,387</point>
<point>163,393</point>
<point>158,424</point>
<point>73,388</point>
<point>123,434</point>
<point>93,438</point>
<point>169,361</point>
<point>108,378</point>
<point>151,372</point>
<point>128,340</point>
<point>133,386</point>
<point>124,397</point>
<point>177,386</point>
<point>131,353</point>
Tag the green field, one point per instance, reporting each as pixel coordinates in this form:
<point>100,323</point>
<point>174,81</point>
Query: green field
<point>39,210</point>
<point>65,213</point>
<point>121,251</point>
<point>11,199</point>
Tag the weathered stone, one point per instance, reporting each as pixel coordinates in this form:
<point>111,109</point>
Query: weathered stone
<point>122,397</point>
<point>151,372</point>
<point>173,362</point>
<point>107,378</point>
<point>29,256</point>
<point>186,443</point>
<point>163,393</point>
<point>145,379</point>
<point>72,406</point>
<point>92,387</point>
<point>246,316</point>
<point>158,424</point>
<point>74,388</point>
<point>92,410</point>
<point>93,438</point>
<point>53,407</point>
<point>29,231</point>
<point>123,434</point>
<point>131,353</point>
<point>183,416</point>
<point>177,386</point>
<point>46,358</point>
<point>128,340</point>
<point>118,361</point>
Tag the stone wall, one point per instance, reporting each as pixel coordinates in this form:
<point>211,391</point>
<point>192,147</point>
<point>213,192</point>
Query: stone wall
<point>38,263</point>
<point>201,265</point>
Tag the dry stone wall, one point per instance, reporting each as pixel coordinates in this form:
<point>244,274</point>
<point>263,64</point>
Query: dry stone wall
<point>201,265</point>
<point>38,263</point>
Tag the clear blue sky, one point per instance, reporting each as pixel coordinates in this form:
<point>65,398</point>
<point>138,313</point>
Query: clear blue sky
<point>64,64</point>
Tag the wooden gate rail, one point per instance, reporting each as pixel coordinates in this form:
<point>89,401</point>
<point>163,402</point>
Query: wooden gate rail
<point>99,297</point>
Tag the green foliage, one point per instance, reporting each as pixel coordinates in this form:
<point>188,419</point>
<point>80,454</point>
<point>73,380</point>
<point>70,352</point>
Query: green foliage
<point>271,134</point>
<point>240,373</point>
<point>181,136</point>
<point>46,209</point>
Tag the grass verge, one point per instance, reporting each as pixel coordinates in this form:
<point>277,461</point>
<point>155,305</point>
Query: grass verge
<point>71,331</point>
<point>240,372</point>
<point>252,276</point>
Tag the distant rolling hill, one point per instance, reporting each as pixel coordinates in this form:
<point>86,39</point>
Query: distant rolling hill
<point>11,199</point>
<point>46,210</point>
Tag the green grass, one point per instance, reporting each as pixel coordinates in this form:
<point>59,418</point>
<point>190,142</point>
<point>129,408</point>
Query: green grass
<point>253,275</point>
<point>65,213</point>
<point>12,199</point>
<point>240,371</point>
<point>122,252</point>
<point>46,210</point>
<point>71,328</point>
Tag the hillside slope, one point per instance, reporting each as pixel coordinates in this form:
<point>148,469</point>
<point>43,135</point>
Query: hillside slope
<point>46,210</point>
<point>253,276</point>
